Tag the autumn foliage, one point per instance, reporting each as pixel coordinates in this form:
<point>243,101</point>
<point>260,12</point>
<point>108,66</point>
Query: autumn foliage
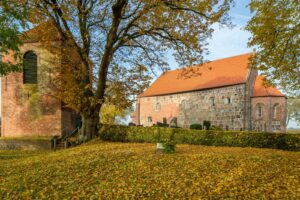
<point>134,171</point>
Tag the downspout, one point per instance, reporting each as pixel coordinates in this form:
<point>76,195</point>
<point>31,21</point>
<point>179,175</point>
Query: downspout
<point>270,115</point>
<point>138,112</point>
<point>285,115</point>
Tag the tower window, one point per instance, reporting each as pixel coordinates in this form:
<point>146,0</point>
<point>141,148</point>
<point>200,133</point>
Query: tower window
<point>30,68</point>
<point>275,111</point>
<point>149,119</point>
<point>259,111</point>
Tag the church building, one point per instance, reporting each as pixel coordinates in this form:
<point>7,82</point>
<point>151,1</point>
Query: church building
<point>226,92</point>
<point>29,107</point>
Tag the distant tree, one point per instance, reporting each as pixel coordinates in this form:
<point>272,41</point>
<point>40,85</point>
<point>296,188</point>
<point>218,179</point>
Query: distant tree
<point>133,35</point>
<point>275,28</point>
<point>293,110</point>
<point>12,21</point>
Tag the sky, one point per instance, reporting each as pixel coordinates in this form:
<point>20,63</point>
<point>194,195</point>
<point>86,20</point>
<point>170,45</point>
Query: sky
<point>227,42</point>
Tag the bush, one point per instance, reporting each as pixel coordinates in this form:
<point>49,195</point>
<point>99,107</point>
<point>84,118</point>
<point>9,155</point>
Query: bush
<point>196,126</point>
<point>159,124</point>
<point>131,124</point>
<point>201,137</point>
<point>206,124</point>
<point>216,128</point>
<point>169,144</point>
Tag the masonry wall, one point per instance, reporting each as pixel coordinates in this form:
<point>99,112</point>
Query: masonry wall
<point>270,120</point>
<point>194,107</point>
<point>27,110</point>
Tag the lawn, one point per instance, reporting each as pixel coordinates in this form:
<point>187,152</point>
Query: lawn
<point>123,171</point>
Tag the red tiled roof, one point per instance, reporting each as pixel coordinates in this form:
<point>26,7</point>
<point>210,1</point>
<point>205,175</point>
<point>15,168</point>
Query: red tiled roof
<point>218,73</point>
<point>260,90</point>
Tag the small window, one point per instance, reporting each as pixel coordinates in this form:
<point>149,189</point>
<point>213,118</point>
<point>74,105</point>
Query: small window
<point>227,100</point>
<point>149,119</point>
<point>157,107</point>
<point>184,104</point>
<point>212,101</point>
<point>275,111</point>
<point>30,68</point>
<point>259,111</point>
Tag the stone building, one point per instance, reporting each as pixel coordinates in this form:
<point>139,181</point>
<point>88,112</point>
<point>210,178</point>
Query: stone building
<point>225,92</point>
<point>28,107</point>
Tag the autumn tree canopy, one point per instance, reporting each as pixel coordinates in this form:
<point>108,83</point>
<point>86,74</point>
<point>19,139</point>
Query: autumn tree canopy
<point>130,36</point>
<point>275,29</point>
<point>12,21</point>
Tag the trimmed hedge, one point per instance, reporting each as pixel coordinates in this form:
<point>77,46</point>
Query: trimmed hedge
<point>283,141</point>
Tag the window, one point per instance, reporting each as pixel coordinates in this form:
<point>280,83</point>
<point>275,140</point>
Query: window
<point>149,119</point>
<point>259,111</point>
<point>275,111</point>
<point>30,68</point>
<point>227,100</point>
<point>184,104</point>
<point>212,101</point>
<point>157,107</point>
<point>173,122</point>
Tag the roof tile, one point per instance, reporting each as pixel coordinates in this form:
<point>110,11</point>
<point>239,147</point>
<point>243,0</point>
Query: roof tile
<point>218,73</point>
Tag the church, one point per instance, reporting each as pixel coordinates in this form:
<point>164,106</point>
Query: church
<point>29,106</point>
<point>226,92</point>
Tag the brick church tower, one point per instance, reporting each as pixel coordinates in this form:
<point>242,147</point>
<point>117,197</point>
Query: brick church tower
<point>28,107</point>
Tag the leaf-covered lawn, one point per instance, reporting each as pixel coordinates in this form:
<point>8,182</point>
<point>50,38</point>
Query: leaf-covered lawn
<point>123,171</point>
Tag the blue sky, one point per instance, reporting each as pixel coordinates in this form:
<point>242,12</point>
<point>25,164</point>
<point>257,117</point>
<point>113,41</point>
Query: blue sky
<point>226,42</point>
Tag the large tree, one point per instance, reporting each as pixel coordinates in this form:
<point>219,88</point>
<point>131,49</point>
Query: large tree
<point>134,36</point>
<point>275,28</point>
<point>12,21</point>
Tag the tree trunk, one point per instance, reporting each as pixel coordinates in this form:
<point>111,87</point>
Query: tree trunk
<point>90,125</point>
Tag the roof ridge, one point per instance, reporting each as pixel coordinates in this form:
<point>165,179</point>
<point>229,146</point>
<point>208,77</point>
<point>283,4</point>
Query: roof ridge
<point>207,62</point>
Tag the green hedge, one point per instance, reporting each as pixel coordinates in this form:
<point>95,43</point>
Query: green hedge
<point>201,137</point>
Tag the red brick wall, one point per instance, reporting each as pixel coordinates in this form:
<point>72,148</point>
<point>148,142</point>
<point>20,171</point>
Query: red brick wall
<point>268,122</point>
<point>18,116</point>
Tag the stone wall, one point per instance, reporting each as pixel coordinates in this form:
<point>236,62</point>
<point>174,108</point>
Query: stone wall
<point>26,109</point>
<point>222,106</point>
<point>273,114</point>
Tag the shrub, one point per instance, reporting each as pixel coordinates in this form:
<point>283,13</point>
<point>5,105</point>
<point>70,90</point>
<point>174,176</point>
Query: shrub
<point>201,137</point>
<point>159,124</point>
<point>169,144</point>
<point>196,126</point>
<point>216,128</point>
<point>206,124</point>
<point>131,124</point>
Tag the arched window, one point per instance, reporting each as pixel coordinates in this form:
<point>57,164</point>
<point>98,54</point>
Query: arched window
<point>259,111</point>
<point>276,111</point>
<point>30,68</point>
<point>184,104</point>
<point>157,107</point>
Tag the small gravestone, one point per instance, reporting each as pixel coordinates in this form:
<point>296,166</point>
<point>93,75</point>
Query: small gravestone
<point>159,148</point>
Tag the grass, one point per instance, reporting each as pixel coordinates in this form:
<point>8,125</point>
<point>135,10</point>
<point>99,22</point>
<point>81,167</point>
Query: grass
<point>122,171</point>
<point>31,138</point>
